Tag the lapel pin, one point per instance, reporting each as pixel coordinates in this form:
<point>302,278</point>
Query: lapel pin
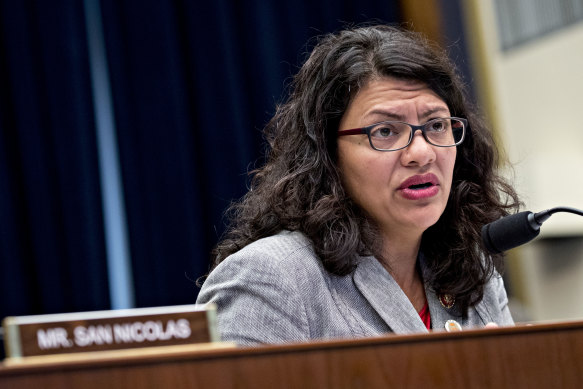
<point>452,326</point>
<point>447,300</point>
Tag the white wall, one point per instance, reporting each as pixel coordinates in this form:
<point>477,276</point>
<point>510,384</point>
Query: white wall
<point>534,96</point>
<point>540,92</point>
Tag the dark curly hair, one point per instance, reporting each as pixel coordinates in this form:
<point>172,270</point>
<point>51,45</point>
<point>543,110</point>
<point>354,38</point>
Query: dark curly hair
<point>300,188</point>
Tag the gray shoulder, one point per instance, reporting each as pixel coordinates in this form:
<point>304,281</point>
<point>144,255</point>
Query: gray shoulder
<point>283,252</point>
<point>260,291</point>
<point>494,305</point>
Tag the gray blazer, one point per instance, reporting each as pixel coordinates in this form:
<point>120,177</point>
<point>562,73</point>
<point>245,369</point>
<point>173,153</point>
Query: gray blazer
<point>276,290</point>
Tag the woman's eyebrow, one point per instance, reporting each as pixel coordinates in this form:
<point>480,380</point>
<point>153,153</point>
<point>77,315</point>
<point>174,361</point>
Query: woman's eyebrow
<point>387,114</point>
<point>434,110</point>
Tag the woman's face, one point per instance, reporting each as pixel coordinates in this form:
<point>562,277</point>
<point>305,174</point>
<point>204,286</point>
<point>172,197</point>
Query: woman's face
<point>380,182</point>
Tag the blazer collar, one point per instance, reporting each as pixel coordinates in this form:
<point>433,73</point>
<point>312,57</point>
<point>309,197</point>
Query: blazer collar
<point>386,297</point>
<point>390,302</point>
<point>439,313</point>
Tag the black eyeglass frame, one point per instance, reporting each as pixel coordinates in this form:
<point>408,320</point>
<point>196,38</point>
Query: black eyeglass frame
<point>366,130</point>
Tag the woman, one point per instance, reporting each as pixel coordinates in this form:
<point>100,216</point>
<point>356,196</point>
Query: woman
<point>366,217</point>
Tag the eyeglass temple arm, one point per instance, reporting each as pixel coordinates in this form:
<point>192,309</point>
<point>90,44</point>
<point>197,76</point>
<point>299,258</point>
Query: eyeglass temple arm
<point>354,131</point>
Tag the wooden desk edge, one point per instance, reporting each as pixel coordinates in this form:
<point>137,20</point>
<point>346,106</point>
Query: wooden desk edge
<point>112,355</point>
<point>154,355</point>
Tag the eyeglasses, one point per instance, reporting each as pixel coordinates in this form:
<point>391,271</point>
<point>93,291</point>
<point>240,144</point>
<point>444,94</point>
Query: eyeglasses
<point>394,135</point>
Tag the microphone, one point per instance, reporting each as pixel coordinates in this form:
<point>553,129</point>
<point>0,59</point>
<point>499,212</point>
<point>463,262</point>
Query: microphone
<point>514,230</point>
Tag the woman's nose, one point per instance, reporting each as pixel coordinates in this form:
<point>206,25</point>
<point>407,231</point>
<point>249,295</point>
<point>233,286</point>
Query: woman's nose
<point>419,152</point>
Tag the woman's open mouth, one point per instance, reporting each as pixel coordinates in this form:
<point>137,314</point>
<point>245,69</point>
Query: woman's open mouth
<point>420,186</point>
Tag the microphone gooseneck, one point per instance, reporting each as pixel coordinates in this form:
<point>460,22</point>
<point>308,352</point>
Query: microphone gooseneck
<point>514,230</point>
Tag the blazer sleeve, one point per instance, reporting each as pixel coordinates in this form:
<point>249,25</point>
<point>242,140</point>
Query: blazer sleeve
<point>257,299</point>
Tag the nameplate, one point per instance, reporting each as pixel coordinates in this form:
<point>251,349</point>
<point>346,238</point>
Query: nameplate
<point>26,336</point>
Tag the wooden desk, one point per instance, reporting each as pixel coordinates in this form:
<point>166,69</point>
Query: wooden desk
<point>538,356</point>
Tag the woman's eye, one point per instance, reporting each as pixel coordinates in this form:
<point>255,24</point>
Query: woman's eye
<point>438,126</point>
<point>384,132</point>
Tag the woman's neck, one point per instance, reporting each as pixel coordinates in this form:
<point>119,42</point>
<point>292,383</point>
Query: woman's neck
<point>399,257</point>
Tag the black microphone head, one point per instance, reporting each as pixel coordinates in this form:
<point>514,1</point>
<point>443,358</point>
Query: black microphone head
<point>509,232</point>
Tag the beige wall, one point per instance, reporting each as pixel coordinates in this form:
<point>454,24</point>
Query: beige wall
<point>533,94</point>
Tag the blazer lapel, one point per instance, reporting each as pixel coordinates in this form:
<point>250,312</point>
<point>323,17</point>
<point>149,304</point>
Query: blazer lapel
<point>439,313</point>
<point>386,297</point>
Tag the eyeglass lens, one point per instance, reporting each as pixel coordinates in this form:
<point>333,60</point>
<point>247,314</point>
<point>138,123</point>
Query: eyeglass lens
<point>396,135</point>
